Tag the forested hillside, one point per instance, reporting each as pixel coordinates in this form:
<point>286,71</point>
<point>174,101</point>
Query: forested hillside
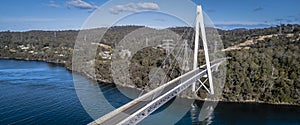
<point>264,64</point>
<point>269,71</point>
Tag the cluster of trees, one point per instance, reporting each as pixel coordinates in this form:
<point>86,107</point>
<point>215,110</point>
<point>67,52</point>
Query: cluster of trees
<point>269,71</point>
<point>51,46</point>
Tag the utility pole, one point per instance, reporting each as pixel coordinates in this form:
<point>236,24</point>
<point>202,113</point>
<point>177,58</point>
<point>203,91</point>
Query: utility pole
<point>167,42</point>
<point>185,65</point>
<point>280,29</point>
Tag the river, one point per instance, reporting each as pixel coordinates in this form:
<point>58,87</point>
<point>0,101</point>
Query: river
<point>34,92</point>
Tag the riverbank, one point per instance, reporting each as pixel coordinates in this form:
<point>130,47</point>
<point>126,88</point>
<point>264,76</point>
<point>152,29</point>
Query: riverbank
<point>40,60</point>
<point>132,87</point>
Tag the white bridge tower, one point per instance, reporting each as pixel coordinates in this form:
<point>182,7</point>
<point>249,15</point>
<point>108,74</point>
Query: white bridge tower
<point>200,27</point>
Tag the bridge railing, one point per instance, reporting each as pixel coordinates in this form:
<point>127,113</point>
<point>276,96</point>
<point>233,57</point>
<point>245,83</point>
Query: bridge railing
<point>174,87</point>
<point>159,101</point>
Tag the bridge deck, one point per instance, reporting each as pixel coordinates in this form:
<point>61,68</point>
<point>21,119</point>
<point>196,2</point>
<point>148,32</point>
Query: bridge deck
<point>118,115</point>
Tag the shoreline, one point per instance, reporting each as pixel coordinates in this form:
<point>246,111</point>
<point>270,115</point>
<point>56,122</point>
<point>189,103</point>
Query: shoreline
<point>99,81</point>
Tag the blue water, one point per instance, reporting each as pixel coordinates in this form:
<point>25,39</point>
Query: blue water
<point>41,93</point>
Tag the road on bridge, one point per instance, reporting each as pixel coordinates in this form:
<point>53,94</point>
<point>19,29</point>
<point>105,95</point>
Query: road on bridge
<point>130,108</point>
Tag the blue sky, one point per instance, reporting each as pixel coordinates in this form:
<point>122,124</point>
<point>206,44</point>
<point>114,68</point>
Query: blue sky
<point>23,15</point>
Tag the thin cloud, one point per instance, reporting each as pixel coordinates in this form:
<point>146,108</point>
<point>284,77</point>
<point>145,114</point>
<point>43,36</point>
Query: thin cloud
<point>237,26</point>
<point>148,6</point>
<point>279,20</point>
<point>282,20</point>
<point>289,21</point>
<point>160,20</point>
<point>242,24</point>
<point>53,5</point>
<point>297,17</point>
<point>133,7</point>
<point>258,9</point>
<point>228,22</point>
<point>31,19</point>
<point>211,10</point>
<point>80,4</point>
<point>291,16</point>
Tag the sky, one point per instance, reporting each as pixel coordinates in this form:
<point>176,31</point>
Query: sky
<point>24,15</point>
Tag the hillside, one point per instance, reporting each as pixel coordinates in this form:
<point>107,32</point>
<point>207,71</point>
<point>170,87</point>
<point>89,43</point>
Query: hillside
<point>264,65</point>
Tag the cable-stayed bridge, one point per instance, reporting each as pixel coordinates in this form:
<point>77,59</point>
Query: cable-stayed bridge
<point>141,107</point>
<point>138,109</point>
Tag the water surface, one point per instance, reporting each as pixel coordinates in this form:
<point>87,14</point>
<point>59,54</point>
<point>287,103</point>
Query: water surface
<point>34,92</point>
